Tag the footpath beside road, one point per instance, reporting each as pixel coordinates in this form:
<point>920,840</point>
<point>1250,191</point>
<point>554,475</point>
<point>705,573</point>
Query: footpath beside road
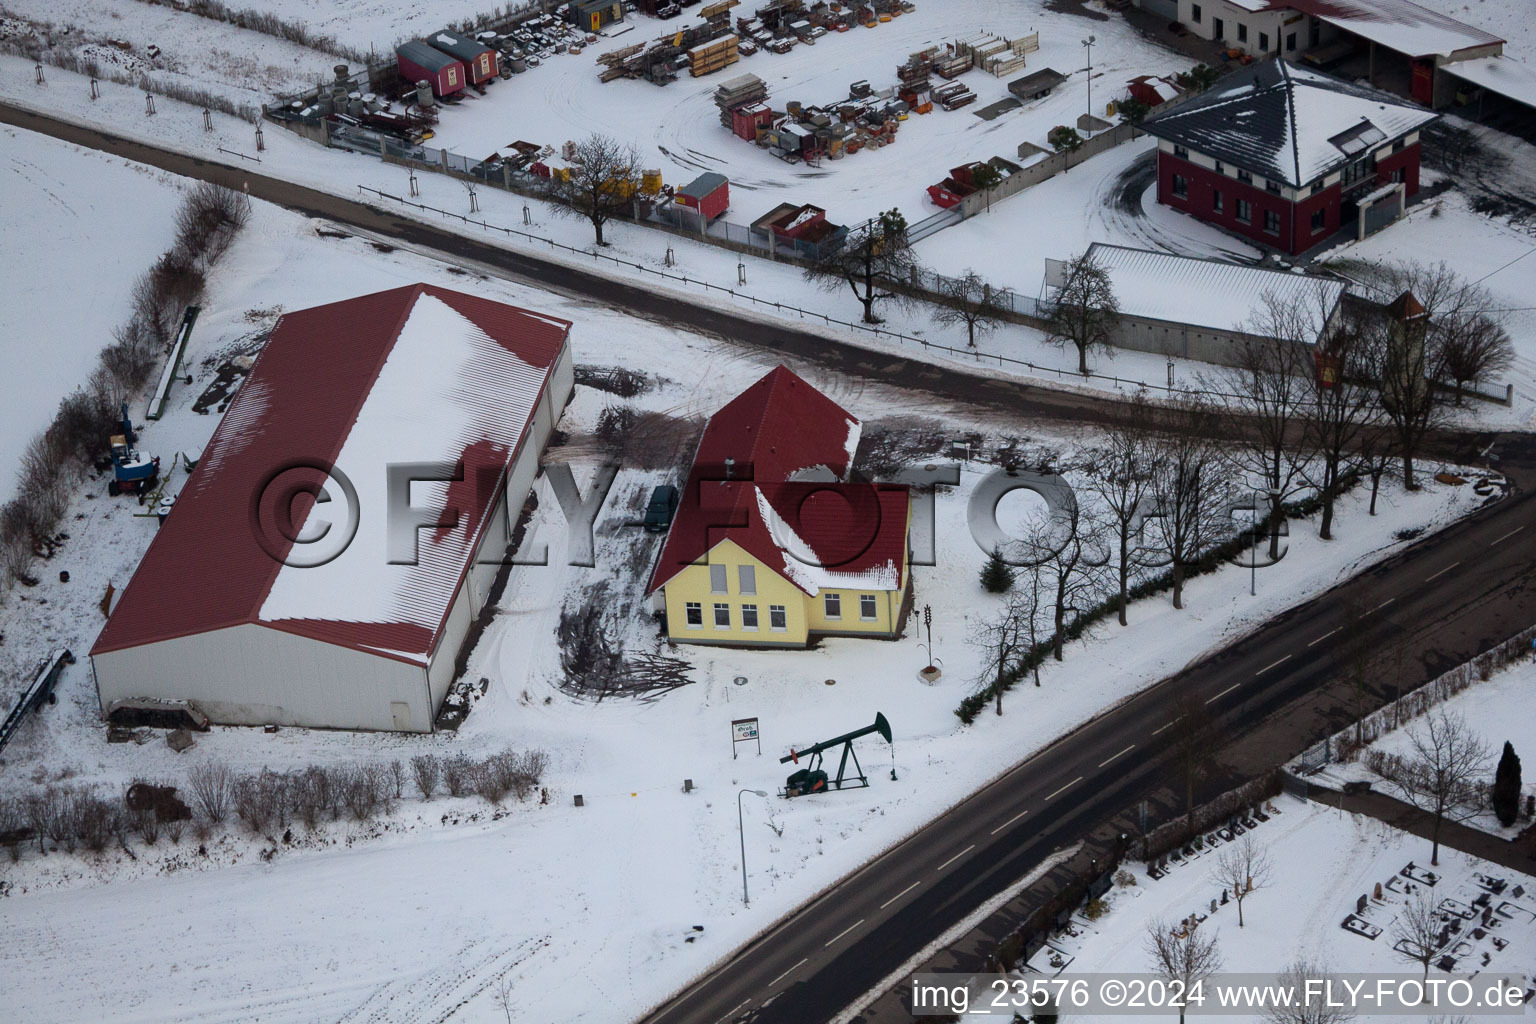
<point>1518,854</point>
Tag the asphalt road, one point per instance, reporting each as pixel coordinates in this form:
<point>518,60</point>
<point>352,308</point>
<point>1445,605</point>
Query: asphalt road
<point>1438,603</point>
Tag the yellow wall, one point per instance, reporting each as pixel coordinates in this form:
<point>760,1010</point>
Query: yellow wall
<point>692,584</point>
<point>804,614</point>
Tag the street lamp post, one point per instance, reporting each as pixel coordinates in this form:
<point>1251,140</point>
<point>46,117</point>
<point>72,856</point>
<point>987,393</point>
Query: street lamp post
<point>1253,556</point>
<point>742,830</point>
<point>1089,44</point>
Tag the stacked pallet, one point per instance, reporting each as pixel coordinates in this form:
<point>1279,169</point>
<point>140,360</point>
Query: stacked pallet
<point>710,57</point>
<point>743,91</point>
<point>953,96</point>
<point>952,65</point>
<point>997,55</point>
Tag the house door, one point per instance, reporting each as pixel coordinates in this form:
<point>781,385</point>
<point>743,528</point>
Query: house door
<point>1220,28</point>
<point>1424,81</point>
<point>401,712</point>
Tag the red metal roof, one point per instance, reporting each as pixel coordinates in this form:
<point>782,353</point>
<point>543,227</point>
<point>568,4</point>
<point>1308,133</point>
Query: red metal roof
<point>206,568</point>
<point>783,499</point>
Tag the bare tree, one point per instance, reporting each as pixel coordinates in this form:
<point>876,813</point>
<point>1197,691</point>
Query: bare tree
<point>1000,638</point>
<point>211,783</point>
<point>1242,868</point>
<point>1084,311</point>
<point>1476,346</point>
<point>600,182</point>
<point>970,301</point>
<point>1270,385</point>
<point>506,996</point>
<point>1440,775</point>
<point>1356,656</point>
<point>1187,500</point>
<point>1341,405</point>
<point>1376,452</point>
<point>876,262</point>
<point>1182,953</point>
<point>1306,1011</point>
<point>1416,930</point>
<point>1122,472</point>
<point>1434,319</point>
<point>1068,548</point>
<point>425,771</point>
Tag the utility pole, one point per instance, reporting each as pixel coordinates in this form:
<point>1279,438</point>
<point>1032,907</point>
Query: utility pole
<point>742,830</point>
<point>1089,44</point>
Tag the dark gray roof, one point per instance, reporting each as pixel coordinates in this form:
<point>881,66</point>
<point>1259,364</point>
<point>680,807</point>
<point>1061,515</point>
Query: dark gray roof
<point>1045,78</point>
<point>1286,123</point>
<point>455,45</point>
<point>421,54</point>
<point>703,185</point>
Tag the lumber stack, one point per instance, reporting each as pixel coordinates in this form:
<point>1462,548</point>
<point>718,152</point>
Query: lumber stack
<point>710,57</point>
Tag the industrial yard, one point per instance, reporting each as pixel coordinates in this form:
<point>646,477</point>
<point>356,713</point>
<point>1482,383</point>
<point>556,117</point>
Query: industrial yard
<point>550,316</point>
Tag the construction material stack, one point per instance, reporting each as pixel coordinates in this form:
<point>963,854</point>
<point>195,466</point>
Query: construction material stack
<point>710,57</point>
<point>742,92</point>
<point>913,88</point>
<point>997,55</point>
<point>615,62</point>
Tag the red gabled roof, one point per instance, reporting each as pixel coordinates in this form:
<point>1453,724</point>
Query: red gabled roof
<point>783,498</point>
<point>306,397</point>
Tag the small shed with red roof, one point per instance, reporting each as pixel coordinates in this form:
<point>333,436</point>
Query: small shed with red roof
<point>773,543</point>
<point>285,587</point>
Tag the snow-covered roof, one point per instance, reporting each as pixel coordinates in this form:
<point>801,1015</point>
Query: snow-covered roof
<point>411,375</point>
<point>1399,25</point>
<point>1286,123</point>
<point>1502,75</point>
<point>1206,293</point>
<point>782,496</point>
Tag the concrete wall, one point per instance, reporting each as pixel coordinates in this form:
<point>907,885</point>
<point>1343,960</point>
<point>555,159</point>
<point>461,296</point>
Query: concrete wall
<point>1161,337</point>
<point>256,675</point>
<point>1048,167</point>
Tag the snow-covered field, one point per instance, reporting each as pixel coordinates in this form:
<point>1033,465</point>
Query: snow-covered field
<point>431,906</point>
<point>88,225</point>
<point>1323,862</point>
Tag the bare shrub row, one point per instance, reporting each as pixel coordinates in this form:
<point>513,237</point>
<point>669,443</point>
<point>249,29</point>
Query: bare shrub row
<point>266,802</point>
<point>206,225</point>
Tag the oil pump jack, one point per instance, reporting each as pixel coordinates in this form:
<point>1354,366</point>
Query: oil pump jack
<point>812,779</point>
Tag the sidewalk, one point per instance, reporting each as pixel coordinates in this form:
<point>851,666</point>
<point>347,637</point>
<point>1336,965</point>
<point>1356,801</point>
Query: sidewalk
<point>1518,854</point>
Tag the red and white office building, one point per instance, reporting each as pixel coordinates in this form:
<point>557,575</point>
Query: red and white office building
<point>1286,157</point>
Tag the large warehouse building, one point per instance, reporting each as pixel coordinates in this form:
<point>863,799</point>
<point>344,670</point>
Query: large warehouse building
<point>226,613</point>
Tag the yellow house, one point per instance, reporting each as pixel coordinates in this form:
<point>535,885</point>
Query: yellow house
<point>771,545</point>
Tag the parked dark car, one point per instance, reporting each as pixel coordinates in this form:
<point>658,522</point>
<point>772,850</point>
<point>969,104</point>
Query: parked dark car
<point>658,514</point>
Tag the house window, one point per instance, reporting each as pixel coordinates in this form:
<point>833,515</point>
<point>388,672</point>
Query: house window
<point>1290,41</point>
<point>749,617</point>
<point>1220,168</point>
<point>722,615</point>
<point>777,620</point>
<point>1399,174</point>
<point>1180,186</point>
<point>1263,42</point>
<point>1194,14</point>
<point>746,579</point>
<point>1271,222</point>
<point>1181,152</point>
<point>1317,186</point>
<point>867,611</point>
<point>833,604</point>
<point>1319,219</point>
<point>694,611</point>
<point>717,579</point>
<point>1216,201</point>
<point>1220,28</point>
<point>1242,32</point>
<point>1397,147</point>
<point>1245,177</point>
<point>1272,187</point>
<point>1244,211</point>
